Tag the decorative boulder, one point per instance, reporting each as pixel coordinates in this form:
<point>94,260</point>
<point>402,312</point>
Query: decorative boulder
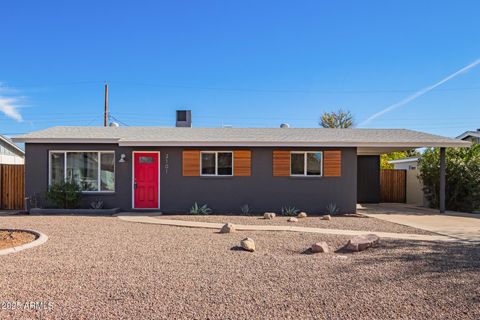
<point>363,242</point>
<point>269,215</point>
<point>302,215</point>
<point>292,219</point>
<point>248,244</point>
<point>227,228</point>
<point>326,217</point>
<point>320,247</point>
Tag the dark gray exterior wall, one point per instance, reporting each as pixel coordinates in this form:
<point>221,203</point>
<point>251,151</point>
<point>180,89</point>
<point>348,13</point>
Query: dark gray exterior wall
<point>261,191</point>
<point>368,179</point>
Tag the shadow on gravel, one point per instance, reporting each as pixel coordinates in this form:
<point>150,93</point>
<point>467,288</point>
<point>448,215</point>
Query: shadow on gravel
<point>433,258</point>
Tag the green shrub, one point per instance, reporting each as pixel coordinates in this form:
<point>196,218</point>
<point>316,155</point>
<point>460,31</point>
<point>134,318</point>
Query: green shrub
<point>289,211</point>
<point>462,188</point>
<point>196,209</point>
<point>64,195</point>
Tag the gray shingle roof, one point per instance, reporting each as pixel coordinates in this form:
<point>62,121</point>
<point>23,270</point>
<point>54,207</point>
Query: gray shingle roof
<point>163,136</point>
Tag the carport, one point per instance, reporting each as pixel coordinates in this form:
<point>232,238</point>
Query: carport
<point>368,161</point>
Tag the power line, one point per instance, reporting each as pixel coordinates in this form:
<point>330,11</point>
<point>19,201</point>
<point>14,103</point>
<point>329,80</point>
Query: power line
<point>233,89</point>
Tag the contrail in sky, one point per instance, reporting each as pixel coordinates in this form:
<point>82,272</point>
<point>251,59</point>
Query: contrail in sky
<point>420,92</point>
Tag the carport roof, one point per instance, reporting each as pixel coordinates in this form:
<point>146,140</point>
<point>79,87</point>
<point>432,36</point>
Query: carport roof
<point>369,141</point>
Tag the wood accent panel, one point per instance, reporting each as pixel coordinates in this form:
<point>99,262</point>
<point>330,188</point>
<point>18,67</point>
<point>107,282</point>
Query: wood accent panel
<point>242,163</point>
<point>281,163</point>
<point>332,163</point>
<point>12,187</point>
<point>393,185</point>
<point>191,163</point>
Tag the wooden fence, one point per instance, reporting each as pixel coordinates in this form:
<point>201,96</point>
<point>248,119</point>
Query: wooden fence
<point>393,184</point>
<point>12,186</point>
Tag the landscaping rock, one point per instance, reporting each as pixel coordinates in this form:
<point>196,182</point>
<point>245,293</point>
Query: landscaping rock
<point>320,247</point>
<point>326,217</point>
<point>228,228</point>
<point>292,219</point>
<point>269,215</point>
<point>302,215</point>
<point>248,244</point>
<point>363,242</point>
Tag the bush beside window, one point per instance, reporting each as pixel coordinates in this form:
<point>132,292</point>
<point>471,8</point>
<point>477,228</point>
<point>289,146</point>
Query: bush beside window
<point>64,195</point>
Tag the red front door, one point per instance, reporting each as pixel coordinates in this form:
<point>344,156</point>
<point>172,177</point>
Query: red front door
<point>145,180</point>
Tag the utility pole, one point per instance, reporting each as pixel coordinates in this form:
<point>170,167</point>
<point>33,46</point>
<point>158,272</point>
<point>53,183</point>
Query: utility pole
<point>105,115</point>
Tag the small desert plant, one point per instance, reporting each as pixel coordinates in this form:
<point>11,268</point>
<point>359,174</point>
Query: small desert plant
<point>96,204</point>
<point>246,210</point>
<point>196,209</point>
<point>332,209</point>
<point>289,211</point>
<point>64,195</point>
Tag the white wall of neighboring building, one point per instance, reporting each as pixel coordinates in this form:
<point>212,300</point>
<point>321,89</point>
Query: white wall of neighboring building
<point>414,192</point>
<point>11,159</point>
<point>9,153</point>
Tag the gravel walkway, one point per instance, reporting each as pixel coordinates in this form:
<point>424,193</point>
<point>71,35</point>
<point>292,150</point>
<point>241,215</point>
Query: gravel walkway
<point>346,223</point>
<point>105,268</point>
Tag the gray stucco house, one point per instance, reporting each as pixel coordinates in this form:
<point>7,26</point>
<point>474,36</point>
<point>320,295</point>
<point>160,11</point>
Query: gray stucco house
<point>170,168</point>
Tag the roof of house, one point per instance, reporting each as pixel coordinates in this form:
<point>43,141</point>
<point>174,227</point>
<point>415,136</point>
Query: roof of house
<point>13,146</point>
<point>469,134</point>
<point>404,160</point>
<point>395,139</point>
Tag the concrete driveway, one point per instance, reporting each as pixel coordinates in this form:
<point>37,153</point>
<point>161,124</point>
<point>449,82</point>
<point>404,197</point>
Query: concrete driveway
<point>462,226</point>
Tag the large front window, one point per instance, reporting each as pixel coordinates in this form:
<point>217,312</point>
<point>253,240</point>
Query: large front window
<point>306,163</point>
<point>92,170</point>
<point>216,163</point>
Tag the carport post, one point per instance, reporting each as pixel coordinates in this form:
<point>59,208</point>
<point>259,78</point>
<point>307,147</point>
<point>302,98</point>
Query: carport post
<point>442,180</point>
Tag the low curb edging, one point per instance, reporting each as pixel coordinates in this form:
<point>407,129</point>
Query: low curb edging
<point>41,239</point>
<point>240,227</point>
<point>40,211</point>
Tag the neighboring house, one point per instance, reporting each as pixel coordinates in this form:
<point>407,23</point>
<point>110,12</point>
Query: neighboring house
<point>10,153</point>
<point>472,136</point>
<point>170,168</point>
<point>414,187</point>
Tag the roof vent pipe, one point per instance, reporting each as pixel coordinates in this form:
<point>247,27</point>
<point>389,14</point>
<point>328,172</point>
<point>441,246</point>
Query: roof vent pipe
<point>284,126</point>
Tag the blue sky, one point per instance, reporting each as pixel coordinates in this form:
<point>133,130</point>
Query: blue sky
<point>242,63</point>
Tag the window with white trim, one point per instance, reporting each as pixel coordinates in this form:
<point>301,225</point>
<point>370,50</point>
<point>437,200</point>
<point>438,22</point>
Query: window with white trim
<point>306,163</point>
<point>94,171</point>
<point>216,163</point>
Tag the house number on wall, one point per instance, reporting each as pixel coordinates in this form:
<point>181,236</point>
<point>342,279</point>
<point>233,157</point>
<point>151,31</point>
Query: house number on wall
<point>166,163</point>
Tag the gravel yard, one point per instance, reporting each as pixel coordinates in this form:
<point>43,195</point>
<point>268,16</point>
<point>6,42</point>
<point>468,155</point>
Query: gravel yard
<point>340,222</point>
<point>105,268</point>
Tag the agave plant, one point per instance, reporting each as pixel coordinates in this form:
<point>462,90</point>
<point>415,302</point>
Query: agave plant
<point>246,210</point>
<point>96,204</point>
<point>196,209</point>
<point>332,209</point>
<point>289,211</point>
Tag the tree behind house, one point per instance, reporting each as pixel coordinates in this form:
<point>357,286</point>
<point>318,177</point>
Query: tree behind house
<point>337,119</point>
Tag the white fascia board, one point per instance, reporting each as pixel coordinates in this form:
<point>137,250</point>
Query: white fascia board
<point>126,143</point>
<point>134,143</point>
<point>63,140</point>
<point>403,160</point>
